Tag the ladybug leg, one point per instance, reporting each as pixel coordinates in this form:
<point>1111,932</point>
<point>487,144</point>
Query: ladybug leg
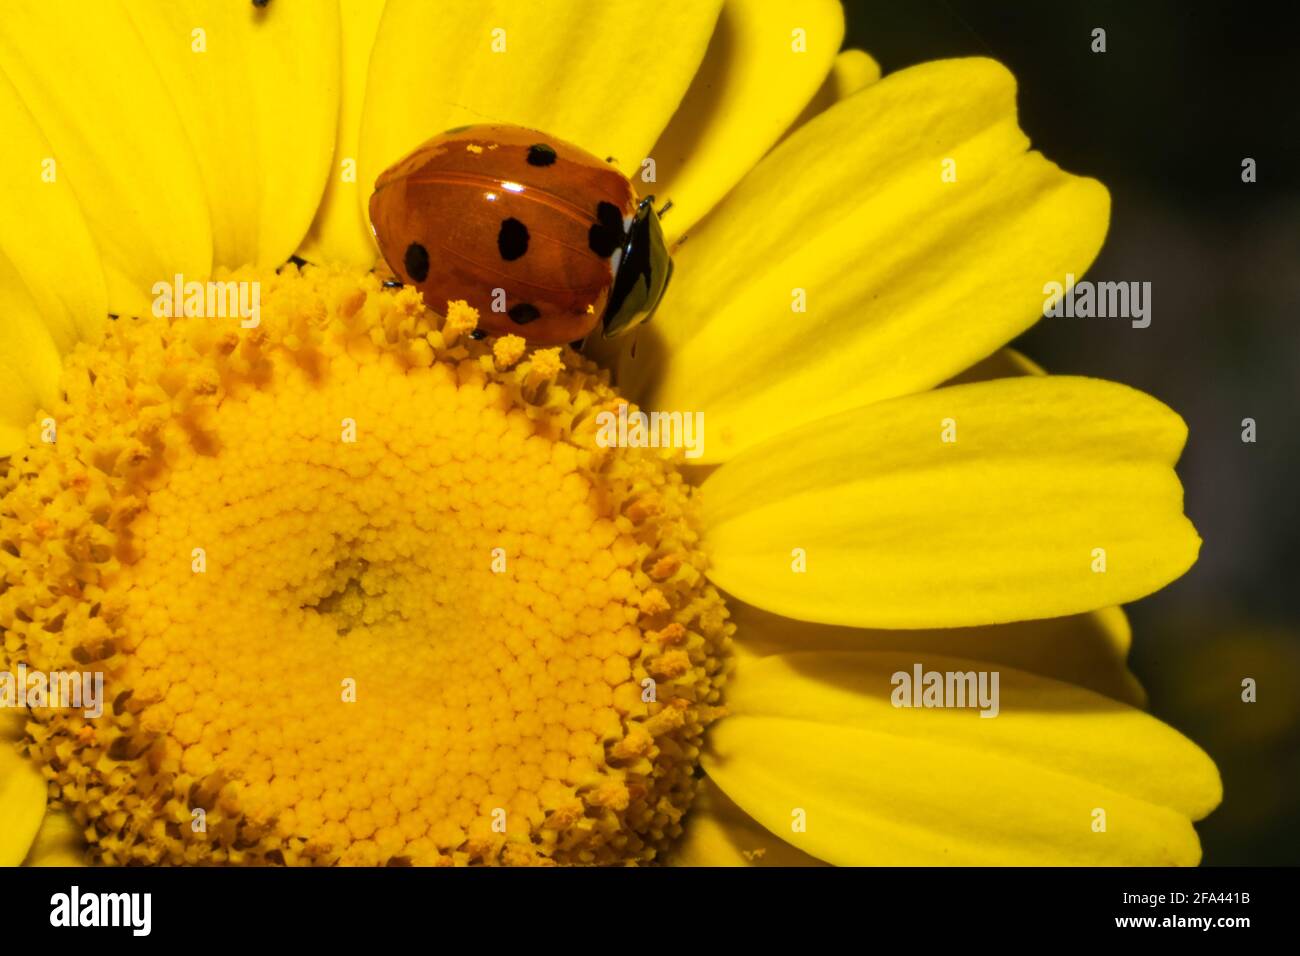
<point>477,335</point>
<point>664,208</point>
<point>392,284</point>
<point>577,344</point>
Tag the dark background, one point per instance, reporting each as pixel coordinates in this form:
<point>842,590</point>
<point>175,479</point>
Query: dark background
<point>1184,92</point>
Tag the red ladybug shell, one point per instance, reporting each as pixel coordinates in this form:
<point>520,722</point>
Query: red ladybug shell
<point>526,228</point>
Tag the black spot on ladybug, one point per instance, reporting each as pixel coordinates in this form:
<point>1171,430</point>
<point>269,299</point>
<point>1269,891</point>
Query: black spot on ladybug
<point>512,240</point>
<point>540,155</point>
<point>477,334</point>
<point>523,313</point>
<point>417,262</point>
<point>607,234</point>
<point>392,284</point>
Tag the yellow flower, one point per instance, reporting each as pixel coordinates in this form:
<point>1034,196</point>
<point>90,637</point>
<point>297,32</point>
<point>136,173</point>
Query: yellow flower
<point>366,590</point>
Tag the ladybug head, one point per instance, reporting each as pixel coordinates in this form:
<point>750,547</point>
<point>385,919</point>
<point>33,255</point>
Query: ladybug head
<point>643,272</point>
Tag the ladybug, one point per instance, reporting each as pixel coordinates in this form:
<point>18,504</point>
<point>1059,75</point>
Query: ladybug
<point>541,237</point>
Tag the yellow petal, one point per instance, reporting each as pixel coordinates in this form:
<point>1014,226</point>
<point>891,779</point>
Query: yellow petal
<point>341,232</point>
<point>853,70</point>
<point>1004,363</point>
<point>719,833</point>
<point>43,233</point>
<point>879,784</point>
<point>604,76</point>
<point>905,278</point>
<point>1088,650</point>
<point>29,358</point>
<point>763,64</point>
<point>17,405</point>
<point>1049,480</point>
<point>89,81</point>
<point>259,105</point>
<point>51,284</point>
<point>22,805</point>
<point>59,842</point>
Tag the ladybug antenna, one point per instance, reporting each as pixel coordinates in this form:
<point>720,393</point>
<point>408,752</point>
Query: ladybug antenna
<point>666,206</point>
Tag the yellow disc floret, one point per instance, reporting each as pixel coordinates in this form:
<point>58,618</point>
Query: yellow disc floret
<point>363,590</point>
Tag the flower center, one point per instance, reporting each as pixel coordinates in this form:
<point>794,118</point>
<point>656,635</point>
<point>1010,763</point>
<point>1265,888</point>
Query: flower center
<point>363,590</point>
